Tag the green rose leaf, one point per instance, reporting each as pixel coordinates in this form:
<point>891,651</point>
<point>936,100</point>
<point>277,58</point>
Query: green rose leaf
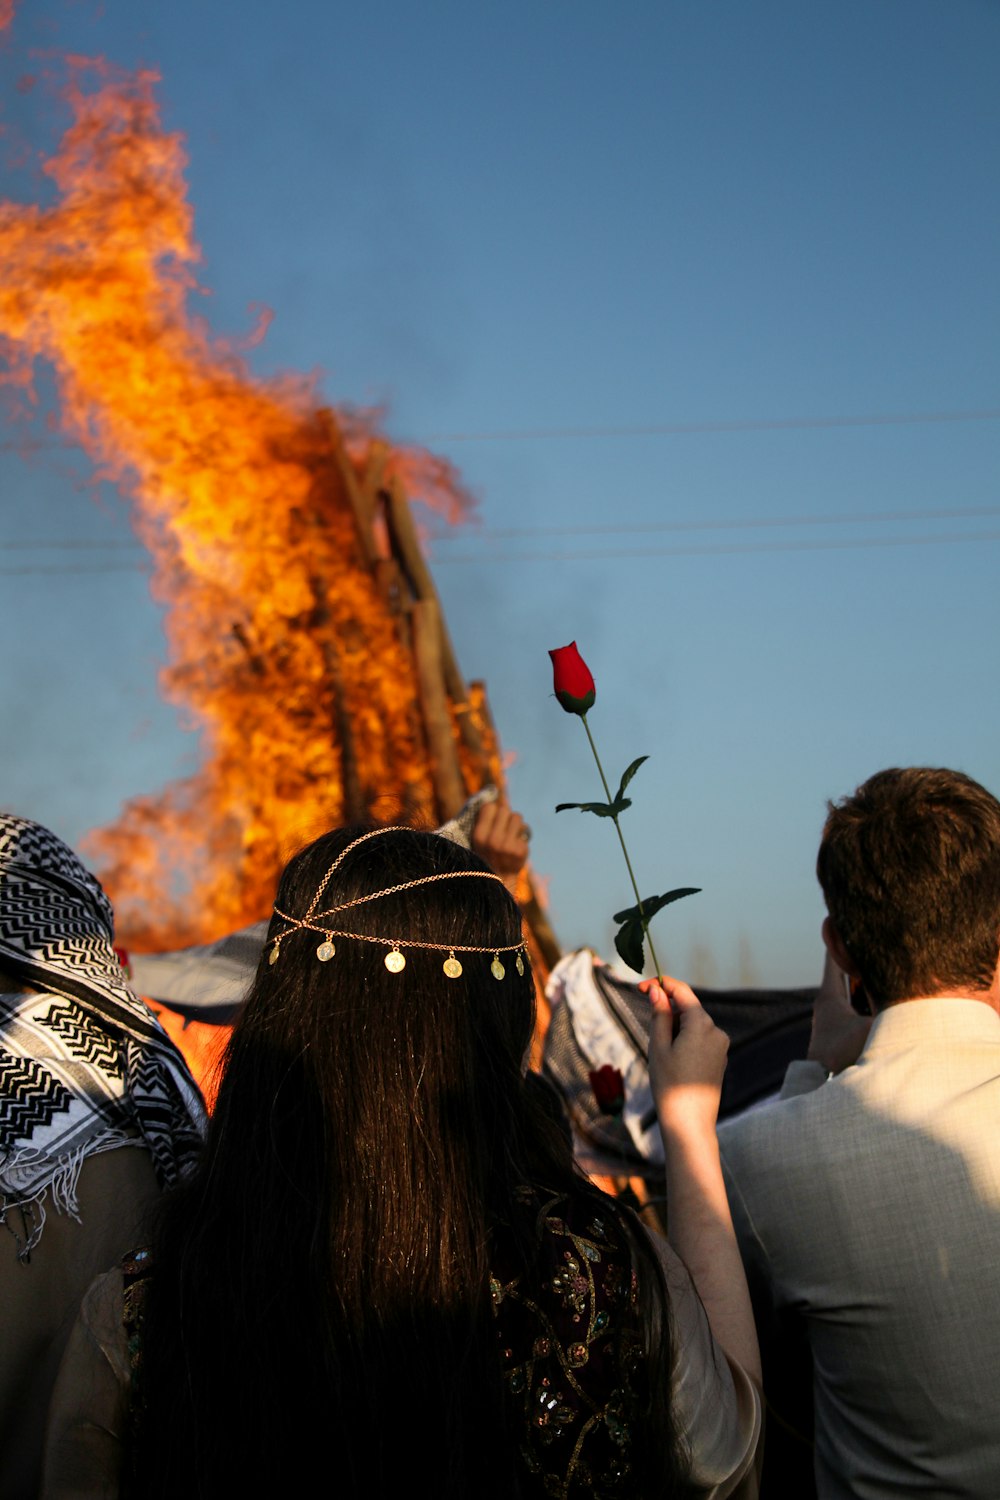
<point>628,941</point>
<point>652,904</point>
<point>628,777</point>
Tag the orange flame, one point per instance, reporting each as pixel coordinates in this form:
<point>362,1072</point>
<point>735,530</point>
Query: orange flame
<point>280,644</point>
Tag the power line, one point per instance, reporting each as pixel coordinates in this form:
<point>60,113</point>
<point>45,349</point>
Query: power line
<point>652,429</point>
<point>734,548</point>
<point>679,429</point>
<point>57,568</point>
<point>506,533</point>
<point>641,527</point>
<point>610,555</point>
<point>71,544</point>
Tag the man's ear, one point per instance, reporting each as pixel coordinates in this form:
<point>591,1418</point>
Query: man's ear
<point>995,986</point>
<point>837,951</point>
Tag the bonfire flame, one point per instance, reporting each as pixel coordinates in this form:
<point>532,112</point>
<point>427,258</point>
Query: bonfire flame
<point>281,643</point>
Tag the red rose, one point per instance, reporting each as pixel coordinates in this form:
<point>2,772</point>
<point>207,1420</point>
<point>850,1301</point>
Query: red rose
<point>573,683</point>
<point>609,1089</point>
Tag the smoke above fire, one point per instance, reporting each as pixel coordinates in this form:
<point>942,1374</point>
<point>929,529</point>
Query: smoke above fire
<point>245,493</point>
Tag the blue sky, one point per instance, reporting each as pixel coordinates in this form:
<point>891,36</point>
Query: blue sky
<point>662,280</point>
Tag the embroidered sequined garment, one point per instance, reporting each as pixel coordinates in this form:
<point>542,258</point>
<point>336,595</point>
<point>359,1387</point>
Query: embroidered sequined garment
<point>137,1269</point>
<point>569,1334</point>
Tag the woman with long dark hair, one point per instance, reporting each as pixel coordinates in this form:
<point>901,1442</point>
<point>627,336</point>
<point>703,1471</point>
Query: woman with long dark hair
<point>386,1272</point>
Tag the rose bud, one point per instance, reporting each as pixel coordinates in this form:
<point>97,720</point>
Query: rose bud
<point>573,683</point>
<point>609,1089</point>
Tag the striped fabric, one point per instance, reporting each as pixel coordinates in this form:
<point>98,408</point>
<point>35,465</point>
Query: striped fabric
<point>84,1064</point>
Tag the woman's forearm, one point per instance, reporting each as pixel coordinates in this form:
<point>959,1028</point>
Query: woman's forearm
<point>700,1229</point>
<point>687,1060</point>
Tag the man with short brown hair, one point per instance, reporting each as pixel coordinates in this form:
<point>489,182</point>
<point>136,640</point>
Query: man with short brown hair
<point>910,870</point>
<point>867,1200</point>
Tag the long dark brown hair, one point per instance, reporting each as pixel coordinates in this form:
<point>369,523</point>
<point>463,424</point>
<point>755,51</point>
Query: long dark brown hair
<point>318,1312</point>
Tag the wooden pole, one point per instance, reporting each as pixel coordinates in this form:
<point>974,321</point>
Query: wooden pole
<point>445,773</point>
<point>406,545</point>
<point>534,912</point>
<point>360,505</point>
<point>354,809</point>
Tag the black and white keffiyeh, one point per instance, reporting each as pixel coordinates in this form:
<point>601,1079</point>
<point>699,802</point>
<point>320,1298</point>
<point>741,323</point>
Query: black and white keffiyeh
<point>84,1064</point>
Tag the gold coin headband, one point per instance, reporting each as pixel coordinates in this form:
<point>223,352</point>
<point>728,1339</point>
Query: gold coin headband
<point>395,959</point>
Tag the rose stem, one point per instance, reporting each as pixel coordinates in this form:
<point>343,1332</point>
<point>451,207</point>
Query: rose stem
<point>628,862</point>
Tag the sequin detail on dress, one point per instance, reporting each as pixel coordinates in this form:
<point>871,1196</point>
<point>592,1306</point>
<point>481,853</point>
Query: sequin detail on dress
<point>570,1344</point>
<point>137,1271</point>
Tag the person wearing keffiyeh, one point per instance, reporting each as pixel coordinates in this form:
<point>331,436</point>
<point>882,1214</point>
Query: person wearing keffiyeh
<point>98,1113</point>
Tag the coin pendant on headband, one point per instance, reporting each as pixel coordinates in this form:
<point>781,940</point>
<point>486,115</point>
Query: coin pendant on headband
<point>496,967</point>
<point>451,966</point>
<point>520,965</point>
<point>272,957</point>
<point>395,961</point>
<point>325,951</point>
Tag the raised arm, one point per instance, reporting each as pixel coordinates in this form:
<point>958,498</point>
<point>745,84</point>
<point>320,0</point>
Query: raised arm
<point>501,837</point>
<point>687,1060</point>
<point>838,1032</point>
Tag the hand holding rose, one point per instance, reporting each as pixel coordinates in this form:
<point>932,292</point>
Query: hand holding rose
<point>687,1058</point>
